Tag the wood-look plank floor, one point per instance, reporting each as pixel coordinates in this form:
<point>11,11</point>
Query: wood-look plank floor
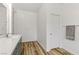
<point>34,48</point>
<point>59,51</point>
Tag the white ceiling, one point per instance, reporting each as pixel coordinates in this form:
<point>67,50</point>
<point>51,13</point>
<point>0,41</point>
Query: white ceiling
<point>34,7</point>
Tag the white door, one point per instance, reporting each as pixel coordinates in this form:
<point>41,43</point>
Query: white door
<point>54,31</point>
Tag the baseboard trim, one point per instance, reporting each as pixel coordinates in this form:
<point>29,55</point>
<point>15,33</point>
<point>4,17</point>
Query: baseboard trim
<point>42,48</point>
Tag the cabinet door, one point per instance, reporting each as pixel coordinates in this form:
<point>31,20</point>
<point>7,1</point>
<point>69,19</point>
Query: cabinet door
<point>17,50</point>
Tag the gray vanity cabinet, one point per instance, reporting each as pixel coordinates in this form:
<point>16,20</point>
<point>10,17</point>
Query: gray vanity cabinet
<point>17,50</point>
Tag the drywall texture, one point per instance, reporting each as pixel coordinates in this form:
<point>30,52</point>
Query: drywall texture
<point>25,24</point>
<point>48,35</point>
<point>41,27</point>
<point>3,20</point>
<point>54,26</point>
<point>70,16</point>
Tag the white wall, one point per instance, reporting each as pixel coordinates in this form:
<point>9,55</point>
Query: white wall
<point>41,26</point>
<point>70,16</point>
<point>25,24</point>
<point>54,26</point>
<point>44,28</point>
<point>3,20</point>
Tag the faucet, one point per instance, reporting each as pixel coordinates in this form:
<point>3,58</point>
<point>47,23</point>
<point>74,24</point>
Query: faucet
<point>6,35</point>
<point>3,35</point>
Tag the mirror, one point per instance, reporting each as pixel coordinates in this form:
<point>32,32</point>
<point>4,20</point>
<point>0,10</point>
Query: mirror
<point>3,19</point>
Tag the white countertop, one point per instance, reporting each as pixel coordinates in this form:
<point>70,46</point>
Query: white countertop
<point>8,44</point>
